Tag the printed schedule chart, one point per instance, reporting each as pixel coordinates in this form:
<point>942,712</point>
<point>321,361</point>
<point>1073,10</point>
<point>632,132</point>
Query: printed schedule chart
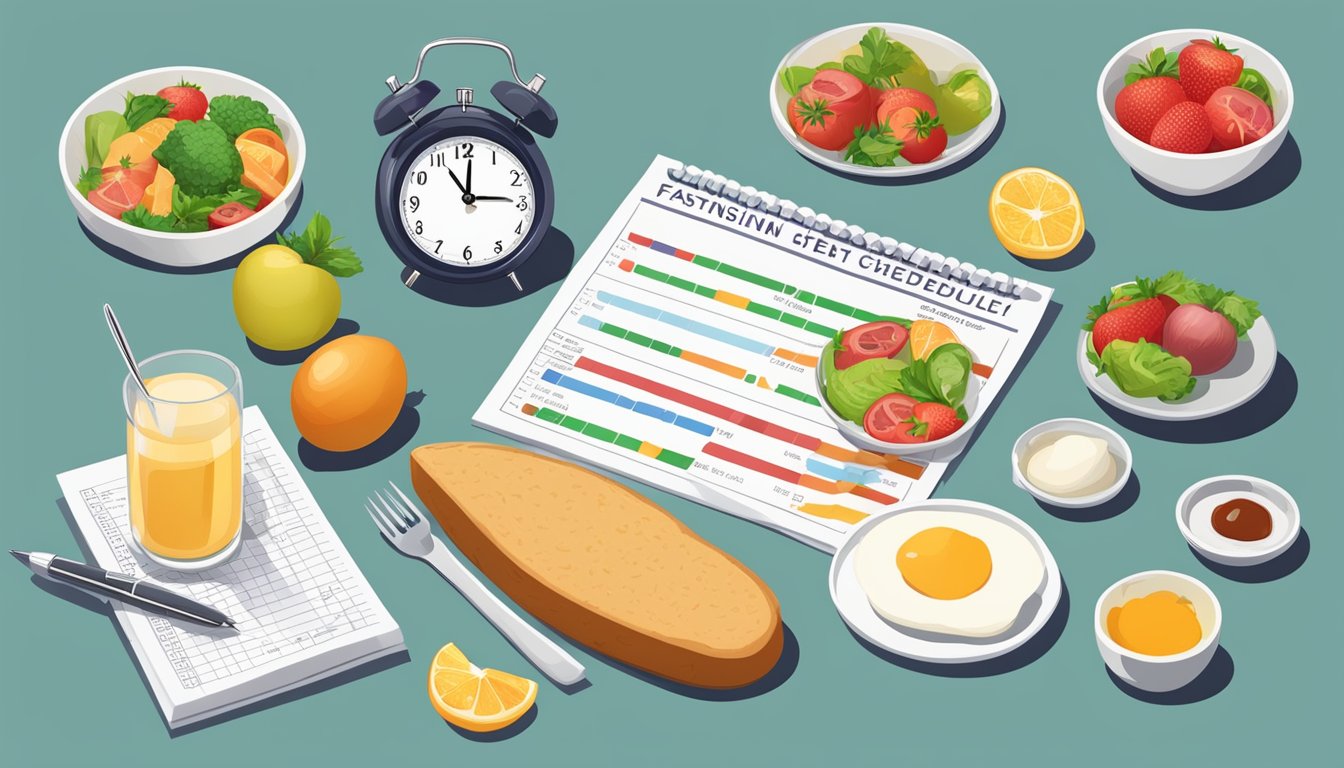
<point>683,351</point>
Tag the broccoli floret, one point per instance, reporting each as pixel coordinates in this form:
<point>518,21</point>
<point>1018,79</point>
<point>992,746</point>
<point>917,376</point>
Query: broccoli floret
<point>239,114</point>
<point>201,157</point>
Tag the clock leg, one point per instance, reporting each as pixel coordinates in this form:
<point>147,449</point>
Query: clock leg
<point>516,284</point>
<point>411,278</point>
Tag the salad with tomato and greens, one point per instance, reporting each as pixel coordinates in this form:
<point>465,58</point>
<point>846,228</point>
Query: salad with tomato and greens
<point>902,381</point>
<point>177,161</point>
<point>881,105</point>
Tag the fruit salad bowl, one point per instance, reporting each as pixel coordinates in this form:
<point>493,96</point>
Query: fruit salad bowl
<point>181,249</point>
<point>1194,174</point>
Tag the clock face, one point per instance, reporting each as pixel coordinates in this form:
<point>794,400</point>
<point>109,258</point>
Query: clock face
<point>467,202</point>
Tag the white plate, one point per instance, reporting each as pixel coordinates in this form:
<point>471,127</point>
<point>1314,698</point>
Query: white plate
<point>942,55</point>
<point>1238,382</point>
<point>1124,461</point>
<point>854,608</point>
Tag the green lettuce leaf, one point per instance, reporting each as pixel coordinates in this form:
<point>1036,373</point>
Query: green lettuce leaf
<point>1256,83</point>
<point>100,129</point>
<point>851,391</point>
<point>1143,369</point>
<point>948,372</point>
<point>794,78</point>
<point>880,60</point>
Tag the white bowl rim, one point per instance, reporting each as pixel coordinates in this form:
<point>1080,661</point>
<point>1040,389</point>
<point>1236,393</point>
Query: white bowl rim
<point>899,171</point>
<point>1292,512</point>
<point>906,449</point>
<point>1110,492</point>
<point>295,174</point>
<point>1208,639</point>
<point>1280,123</point>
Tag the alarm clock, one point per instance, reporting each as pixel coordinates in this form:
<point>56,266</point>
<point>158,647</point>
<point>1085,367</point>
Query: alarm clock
<point>463,193</point>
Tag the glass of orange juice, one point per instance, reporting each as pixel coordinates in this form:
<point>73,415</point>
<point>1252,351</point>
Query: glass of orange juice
<point>185,459</point>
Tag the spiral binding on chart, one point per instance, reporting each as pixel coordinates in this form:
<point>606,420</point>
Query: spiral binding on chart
<point>946,267</point>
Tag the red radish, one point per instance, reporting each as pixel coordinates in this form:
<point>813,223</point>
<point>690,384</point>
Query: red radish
<point>1202,336</point>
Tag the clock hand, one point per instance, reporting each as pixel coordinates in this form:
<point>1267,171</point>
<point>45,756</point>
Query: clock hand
<point>457,181</point>
<point>479,198</point>
<point>467,191</point>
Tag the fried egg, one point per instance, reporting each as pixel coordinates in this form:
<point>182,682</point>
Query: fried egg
<point>948,572</point>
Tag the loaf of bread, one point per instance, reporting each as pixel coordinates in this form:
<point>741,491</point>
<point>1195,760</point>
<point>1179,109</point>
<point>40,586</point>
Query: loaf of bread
<point>602,564</point>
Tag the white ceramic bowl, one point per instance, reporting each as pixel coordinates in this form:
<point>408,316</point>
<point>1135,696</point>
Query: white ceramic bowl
<point>856,435</point>
<point>1194,174</point>
<point>1159,674</point>
<point>181,249</point>
<point>1124,461</point>
<point>1194,512</point>
<point>941,54</point>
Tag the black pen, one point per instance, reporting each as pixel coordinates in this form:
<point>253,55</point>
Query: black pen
<point>119,586</point>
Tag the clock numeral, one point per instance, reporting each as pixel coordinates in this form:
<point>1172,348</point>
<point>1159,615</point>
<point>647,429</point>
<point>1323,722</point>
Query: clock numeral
<point>437,245</point>
<point>421,177</point>
<point>438,160</point>
<point>419,227</point>
<point>518,230</point>
<point>499,246</point>
<point>466,253</point>
<point>462,151</point>
<point>494,159</point>
<point>517,179</point>
<point>415,203</point>
<point>522,203</point>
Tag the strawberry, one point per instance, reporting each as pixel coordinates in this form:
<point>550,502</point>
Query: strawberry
<point>189,102</point>
<point>1142,317</point>
<point>933,421</point>
<point>1184,128</point>
<point>1150,90</point>
<point>1206,66</point>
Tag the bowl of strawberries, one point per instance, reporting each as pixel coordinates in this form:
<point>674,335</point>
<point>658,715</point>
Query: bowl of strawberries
<point>1195,111</point>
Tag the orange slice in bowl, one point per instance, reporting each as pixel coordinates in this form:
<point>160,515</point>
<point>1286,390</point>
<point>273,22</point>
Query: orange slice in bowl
<point>476,699</point>
<point>257,175</point>
<point>928,335</point>
<point>274,162</point>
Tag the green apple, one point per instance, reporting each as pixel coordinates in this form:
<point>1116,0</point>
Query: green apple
<point>285,295</point>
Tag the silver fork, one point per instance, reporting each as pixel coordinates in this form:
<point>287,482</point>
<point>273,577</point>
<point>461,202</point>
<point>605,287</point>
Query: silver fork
<point>405,528</point>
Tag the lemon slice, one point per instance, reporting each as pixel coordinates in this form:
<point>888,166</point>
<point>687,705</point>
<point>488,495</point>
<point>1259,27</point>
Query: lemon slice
<point>928,335</point>
<point>1035,214</point>
<point>476,699</point>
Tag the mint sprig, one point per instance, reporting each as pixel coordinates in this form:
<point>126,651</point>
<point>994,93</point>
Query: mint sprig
<point>317,247</point>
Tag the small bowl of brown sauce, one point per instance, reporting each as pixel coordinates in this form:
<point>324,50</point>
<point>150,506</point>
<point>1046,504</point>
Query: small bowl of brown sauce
<point>1238,519</point>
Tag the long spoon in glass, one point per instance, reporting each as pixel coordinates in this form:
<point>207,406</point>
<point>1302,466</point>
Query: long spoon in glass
<point>124,347</point>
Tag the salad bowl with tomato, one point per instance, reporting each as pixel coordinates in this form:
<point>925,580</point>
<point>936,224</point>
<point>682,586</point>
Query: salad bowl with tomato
<point>883,100</point>
<point>221,225</point>
<point>899,387</point>
<point>1230,100</point>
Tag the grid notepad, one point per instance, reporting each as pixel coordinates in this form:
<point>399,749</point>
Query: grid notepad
<point>304,610</point>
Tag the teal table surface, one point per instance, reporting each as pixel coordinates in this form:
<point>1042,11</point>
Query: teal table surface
<point>687,79</point>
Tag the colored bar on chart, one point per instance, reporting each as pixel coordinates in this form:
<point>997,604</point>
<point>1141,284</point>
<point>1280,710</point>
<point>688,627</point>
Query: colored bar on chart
<point>747,421</point>
<point>813,482</point>
<point>797,394</point>
<point>678,460</point>
<point>833,512</point>
<point>552,376</point>
<point>686,324</point>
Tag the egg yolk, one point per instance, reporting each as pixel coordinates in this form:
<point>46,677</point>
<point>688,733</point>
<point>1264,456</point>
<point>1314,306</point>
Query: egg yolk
<point>944,563</point>
<point>1160,624</point>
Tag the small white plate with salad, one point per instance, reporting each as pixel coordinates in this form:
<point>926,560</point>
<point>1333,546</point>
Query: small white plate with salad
<point>883,100</point>
<point>1175,349</point>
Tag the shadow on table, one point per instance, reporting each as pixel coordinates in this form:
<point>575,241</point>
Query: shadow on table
<point>550,264</point>
<point>121,254</point>
<point>1245,420</point>
<point>1210,683</point>
<point>1080,253</point>
<point>1281,566</point>
<point>1104,511</point>
<point>941,173</point>
<point>783,670</point>
<point>91,603</point>
<point>343,326</point>
<point>393,440</point>
<point>507,732</point>
<point>1018,658</point>
<point>1272,178</point>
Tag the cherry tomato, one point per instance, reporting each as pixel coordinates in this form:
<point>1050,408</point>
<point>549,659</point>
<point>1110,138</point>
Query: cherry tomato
<point>889,419</point>
<point>871,340</point>
<point>826,111</point>
<point>898,99</point>
<point>1238,117</point>
<point>117,195</point>
<point>228,213</point>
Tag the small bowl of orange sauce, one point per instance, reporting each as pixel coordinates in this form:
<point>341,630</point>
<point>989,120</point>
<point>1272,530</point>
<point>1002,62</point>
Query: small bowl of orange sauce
<point>1158,630</point>
<point>1238,520</point>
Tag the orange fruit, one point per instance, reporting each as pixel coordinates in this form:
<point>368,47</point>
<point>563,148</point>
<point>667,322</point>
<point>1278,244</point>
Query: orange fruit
<point>273,161</point>
<point>257,176</point>
<point>928,335</point>
<point>265,136</point>
<point>127,145</point>
<point>476,699</point>
<point>156,130</point>
<point>348,392</point>
<point>1035,214</point>
<point>159,194</point>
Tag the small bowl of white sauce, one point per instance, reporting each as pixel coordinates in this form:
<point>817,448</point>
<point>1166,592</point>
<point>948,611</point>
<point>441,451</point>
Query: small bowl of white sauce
<point>1071,463</point>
